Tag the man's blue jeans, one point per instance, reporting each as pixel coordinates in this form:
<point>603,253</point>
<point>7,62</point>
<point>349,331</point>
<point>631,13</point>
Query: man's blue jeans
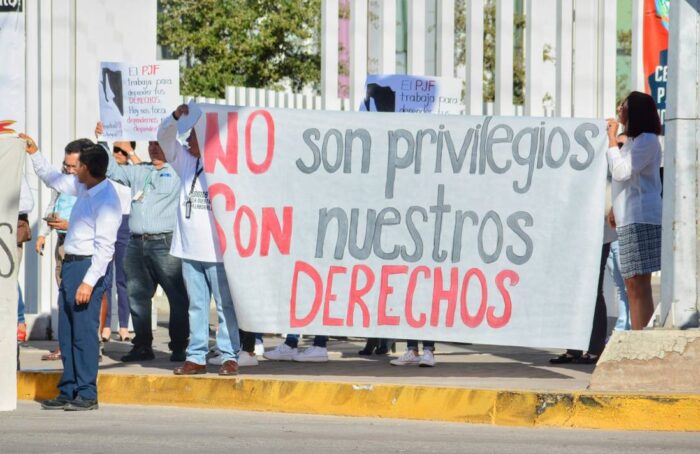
<point>77,333</point>
<point>20,305</point>
<point>613,265</point>
<point>204,280</point>
<point>148,263</point>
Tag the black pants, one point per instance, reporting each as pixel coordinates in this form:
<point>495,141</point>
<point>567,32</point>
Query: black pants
<point>600,317</point>
<point>247,341</point>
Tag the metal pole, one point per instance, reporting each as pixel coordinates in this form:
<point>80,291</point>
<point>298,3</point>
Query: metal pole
<point>679,285</point>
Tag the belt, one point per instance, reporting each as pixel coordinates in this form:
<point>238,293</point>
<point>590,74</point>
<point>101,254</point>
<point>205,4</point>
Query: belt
<point>23,217</point>
<point>151,236</point>
<point>75,258</point>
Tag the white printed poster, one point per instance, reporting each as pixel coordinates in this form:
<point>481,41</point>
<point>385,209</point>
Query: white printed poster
<point>409,226</point>
<point>417,94</point>
<point>12,75</point>
<point>11,168</point>
<point>134,98</point>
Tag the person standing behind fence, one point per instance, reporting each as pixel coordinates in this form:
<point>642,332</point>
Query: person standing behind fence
<point>195,241</point>
<point>155,191</point>
<point>636,191</point>
<point>89,247</point>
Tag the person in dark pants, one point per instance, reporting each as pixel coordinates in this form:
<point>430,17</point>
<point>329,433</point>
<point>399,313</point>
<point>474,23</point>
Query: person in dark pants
<point>155,194</point>
<point>124,153</point>
<point>89,248</point>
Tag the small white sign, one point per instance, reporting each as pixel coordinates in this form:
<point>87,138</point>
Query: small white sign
<point>418,94</point>
<point>134,98</point>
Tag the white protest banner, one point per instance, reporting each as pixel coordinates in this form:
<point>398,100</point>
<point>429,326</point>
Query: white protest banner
<point>12,77</point>
<point>409,226</point>
<point>418,94</point>
<point>11,169</point>
<point>134,97</point>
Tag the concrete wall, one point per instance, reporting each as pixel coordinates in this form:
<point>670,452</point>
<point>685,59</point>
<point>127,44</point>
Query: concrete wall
<point>66,40</point>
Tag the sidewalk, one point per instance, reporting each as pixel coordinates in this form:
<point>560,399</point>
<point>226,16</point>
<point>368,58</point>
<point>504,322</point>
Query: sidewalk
<point>470,383</point>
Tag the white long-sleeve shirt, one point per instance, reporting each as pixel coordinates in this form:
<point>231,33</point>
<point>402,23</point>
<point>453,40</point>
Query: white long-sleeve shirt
<point>94,221</point>
<point>26,200</point>
<point>636,185</point>
<point>194,238</point>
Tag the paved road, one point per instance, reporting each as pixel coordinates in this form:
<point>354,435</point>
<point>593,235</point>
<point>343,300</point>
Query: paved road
<point>133,429</point>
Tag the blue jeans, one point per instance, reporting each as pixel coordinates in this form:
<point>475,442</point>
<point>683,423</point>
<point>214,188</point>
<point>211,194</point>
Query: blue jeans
<point>20,305</point>
<point>77,333</point>
<point>204,280</point>
<point>148,263</point>
<point>613,266</point>
<point>120,277</point>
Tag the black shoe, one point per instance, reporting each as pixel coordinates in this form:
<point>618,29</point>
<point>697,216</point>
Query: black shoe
<point>139,353</point>
<point>178,356</point>
<point>80,404</point>
<point>59,403</point>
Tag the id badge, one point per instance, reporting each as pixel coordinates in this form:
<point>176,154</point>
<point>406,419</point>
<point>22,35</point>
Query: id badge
<point>188,209</point>
<point>138,197</point>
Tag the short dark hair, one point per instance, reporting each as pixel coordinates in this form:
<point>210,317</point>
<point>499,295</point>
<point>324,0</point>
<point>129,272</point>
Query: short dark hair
<point>642,115</point>
<point>96,160</point>
<point>79,145</point>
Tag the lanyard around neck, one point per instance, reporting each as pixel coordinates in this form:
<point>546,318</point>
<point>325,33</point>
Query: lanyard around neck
<point>197,172</point>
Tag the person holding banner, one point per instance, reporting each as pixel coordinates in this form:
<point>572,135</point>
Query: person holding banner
<point>195,242</point>
<point>154,198</point>
<point>56,218</point>
<point>24,234</point>
<point>636,190</point>
<point>89,247</point>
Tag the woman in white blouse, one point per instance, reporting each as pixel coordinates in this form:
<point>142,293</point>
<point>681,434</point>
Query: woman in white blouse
<point>636,192</point>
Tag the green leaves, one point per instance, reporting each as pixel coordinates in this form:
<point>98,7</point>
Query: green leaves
<point>253,43</point>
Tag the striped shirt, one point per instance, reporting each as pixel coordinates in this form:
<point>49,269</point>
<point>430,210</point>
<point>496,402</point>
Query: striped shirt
<point>155,195</point>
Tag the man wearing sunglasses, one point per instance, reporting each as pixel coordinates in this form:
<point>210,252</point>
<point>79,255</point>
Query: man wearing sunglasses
<point>122,151</point>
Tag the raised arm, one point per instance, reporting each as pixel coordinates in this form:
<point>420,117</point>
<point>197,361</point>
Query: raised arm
<point>167,133</point>
<point>632,158</point>
<point>51,177</point>
<point>115,172</point>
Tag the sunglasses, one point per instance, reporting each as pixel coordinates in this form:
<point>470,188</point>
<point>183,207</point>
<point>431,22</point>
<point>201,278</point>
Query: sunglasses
<point>120,150</point>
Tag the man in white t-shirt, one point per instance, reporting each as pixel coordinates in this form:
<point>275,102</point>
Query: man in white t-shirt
<point>195,241</point>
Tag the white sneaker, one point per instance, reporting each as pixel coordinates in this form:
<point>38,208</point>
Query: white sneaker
<point>312,354</point>
<point>428,359</point>
<point>216,358</point>
<point>247,359</point>
<point>409,358</point>
<point>259,347</point>
<point>282,352</point>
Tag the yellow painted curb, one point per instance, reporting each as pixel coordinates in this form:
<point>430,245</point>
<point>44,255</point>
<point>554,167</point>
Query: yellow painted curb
<point>507,408</point>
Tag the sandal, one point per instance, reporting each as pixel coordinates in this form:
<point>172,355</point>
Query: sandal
<point>52,356</point>
<point>564,358</point>
<point>586,358</point>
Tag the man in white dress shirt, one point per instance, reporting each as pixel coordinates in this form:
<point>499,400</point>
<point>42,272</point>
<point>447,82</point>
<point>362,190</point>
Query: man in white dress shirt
<point>89,247</point>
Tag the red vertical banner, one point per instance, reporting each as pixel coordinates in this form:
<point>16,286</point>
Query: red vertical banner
<point>656,51</point>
